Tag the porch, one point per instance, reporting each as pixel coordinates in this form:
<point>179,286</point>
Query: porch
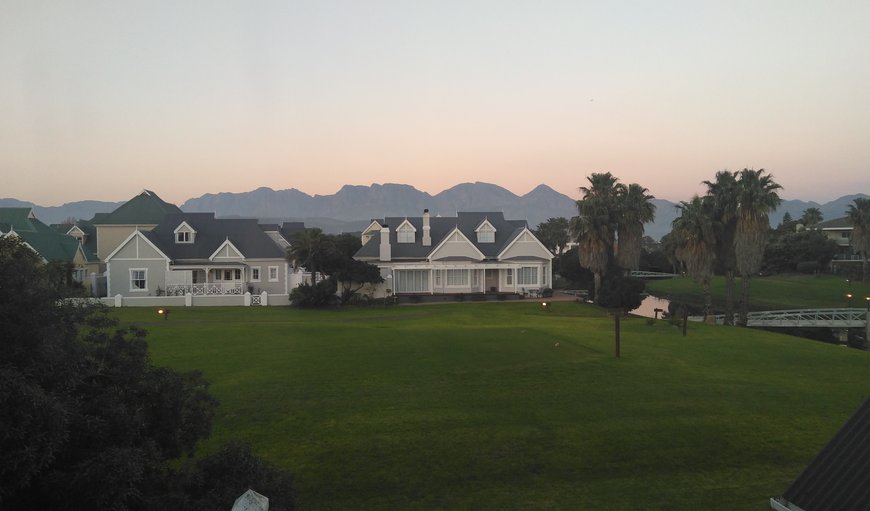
<point>208,279</point>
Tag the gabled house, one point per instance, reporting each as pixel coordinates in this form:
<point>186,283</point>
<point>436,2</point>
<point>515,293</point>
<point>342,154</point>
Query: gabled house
<point>141,213</point>
<point>51,245</point>
<point>198,254</point>
<point>86,234</point>
<point>475,252</point>
<point>840,231</point>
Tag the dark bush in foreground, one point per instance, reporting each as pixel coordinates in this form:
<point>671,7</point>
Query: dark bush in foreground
<point>321,294</point>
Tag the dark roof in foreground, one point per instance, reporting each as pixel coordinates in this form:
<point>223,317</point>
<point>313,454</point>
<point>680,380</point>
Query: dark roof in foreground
<point>839,476</point>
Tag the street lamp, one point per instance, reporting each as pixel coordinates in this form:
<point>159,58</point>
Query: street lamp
<point>849,299</point>
<point>867,299</point>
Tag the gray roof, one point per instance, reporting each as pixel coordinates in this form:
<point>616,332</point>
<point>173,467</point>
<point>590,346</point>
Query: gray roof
<point>244,233</point>
<point>839,476</point>
<point>440,227</point>
<point>145,208</point>
<point>836,223</point>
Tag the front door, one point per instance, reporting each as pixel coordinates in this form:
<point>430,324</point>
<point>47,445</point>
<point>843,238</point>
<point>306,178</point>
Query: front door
<point>491,280</point>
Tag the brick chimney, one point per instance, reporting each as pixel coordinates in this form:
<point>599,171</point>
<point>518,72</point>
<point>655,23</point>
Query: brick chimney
<point>386,252</point>
<point>427,238</point>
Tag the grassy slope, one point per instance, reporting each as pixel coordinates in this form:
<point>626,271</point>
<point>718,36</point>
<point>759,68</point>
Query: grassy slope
<point>472,406</point>
<point>771,293</point>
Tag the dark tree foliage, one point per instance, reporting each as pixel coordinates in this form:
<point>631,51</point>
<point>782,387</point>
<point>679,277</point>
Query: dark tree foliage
<point>321,294</point>
<point>86,421</point>
<point>620,292</point>
<point>804,252</point>
<point>354,275</point>
<point>216,481</point>
<point>571,270</point>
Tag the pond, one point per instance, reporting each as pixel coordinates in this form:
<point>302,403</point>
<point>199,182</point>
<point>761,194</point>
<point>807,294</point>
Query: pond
<point>648,306</point>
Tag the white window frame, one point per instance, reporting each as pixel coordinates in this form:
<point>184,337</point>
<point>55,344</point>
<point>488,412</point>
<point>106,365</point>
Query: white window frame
<point>524,279</point>
<point>275,278</point>
<point>219,275</point>
<point>437,278</point>
<point>509,277</point>
<point>448,278</point>
<point>184,237</point>
<point>144,279</point>
<point>405,234</point>
<point>255,274</point>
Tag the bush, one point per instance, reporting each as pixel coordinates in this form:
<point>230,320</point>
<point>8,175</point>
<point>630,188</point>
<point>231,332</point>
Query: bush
<point>546,292</point>
<point>321,294</point>
<point>807,267</point>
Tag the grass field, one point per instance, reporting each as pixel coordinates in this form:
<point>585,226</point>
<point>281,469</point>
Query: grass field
<point>474,406</point>
<point>771,293</point>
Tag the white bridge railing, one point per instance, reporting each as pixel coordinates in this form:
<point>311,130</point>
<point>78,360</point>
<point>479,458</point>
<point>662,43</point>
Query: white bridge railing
<point>652,275</point>
<point>831,318</point>
<point>212,288</point>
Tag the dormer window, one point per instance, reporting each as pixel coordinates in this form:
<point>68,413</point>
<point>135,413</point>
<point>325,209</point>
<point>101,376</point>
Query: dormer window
<point>184,233</point>
<point>485,232</point>
<point>406,233</point>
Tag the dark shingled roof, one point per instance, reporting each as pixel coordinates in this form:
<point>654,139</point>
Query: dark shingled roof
<point>836,223</point>
<point>839,477</point>
<point>144,209</point>
<point>244,233</point>
<point>505,232</point>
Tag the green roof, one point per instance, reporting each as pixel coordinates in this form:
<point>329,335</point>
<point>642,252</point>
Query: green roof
<point>50,244</point>
<point>145,208</point>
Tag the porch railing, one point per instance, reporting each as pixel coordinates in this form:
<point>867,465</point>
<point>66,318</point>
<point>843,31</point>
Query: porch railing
<point>211,288</point>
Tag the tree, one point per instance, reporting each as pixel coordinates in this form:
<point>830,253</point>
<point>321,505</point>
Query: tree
<point>554,234</point>
<point>358,274</point>
<point>723,196</point>
<point>786,219</point>
<point>87,421</point>
<point>596,224</point>
<point>696,245</point>
<point>635,209</point>
<point>811,217</point>
<point>757,197</point>
<point>859,215</point>
<point>804,251</point>
<point>313,250</point>
<point>620,294</point>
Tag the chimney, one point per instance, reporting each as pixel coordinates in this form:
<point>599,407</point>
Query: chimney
<point>385,243</point>
<point>427,239</point>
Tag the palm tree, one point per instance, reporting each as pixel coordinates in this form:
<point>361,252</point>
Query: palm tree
<point>811,217</point>
<point>635,209</point>
<point>309,249</point>
<point>757,197</point>
<point>696,244</point>
<point>722,194</point>
<point>595,225</point>
<point>859,216</point>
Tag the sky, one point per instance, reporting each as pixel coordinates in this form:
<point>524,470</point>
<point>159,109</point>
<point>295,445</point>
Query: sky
<point>99,100</point>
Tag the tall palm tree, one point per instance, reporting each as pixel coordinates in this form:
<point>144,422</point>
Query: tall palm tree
<point>596,224</point>
<point>635,209</point>
<point>757,197</point>
<point>722,194</point>
<point>811,217</point>
<point>859,215</point>
<point>308,249</point>
<point>696,244</point>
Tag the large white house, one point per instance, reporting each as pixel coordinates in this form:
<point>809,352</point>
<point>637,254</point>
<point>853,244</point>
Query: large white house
<point>479,252</point>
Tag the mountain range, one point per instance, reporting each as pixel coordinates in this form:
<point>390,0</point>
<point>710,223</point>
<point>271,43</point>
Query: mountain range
<point>352,207</point>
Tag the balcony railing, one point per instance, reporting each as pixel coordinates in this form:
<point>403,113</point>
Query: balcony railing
<point>212,288</point>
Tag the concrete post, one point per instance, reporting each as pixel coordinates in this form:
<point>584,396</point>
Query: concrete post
<point>264,298</point>
<point>188,299</point>
<point>247,299</point>
<point>119,300</point>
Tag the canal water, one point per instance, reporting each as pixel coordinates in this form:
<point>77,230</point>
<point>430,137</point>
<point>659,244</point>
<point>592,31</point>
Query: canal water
<point>648,306</point>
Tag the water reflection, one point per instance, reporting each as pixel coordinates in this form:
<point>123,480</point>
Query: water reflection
<point>648,306</point>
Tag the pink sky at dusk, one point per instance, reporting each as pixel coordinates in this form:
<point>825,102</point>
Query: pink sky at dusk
<point>100,100</point>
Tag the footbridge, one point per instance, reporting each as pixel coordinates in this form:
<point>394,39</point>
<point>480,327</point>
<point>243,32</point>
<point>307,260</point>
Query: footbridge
<point>652,275</point>
<point>830,318</point>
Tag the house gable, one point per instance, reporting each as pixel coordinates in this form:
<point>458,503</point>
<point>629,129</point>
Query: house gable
<point>455,244</point>
<point>137,247</point>
<point>227,251</point>
<point>406,232</point>
<point>525,245</point>
<point>485,232</point>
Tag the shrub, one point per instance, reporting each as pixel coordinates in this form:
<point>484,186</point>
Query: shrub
<point>807,267</point>
<point>321,294</point>
<point>546,292</point>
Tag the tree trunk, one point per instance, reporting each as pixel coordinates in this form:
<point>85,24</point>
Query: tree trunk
<point>865,275</point>
<point>743,317</point>
<point>616,316</point>
<point>708,303</point>
<point>729,297</point>
<point>597,285</point>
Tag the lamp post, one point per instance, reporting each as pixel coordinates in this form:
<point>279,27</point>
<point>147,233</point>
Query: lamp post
<point>849,300</point>
<point>867,299</point>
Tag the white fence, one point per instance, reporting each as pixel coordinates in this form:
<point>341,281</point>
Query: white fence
<point>191,300</point>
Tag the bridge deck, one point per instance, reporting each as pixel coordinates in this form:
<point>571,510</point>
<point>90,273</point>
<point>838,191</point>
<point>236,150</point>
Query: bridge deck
<point>830,318</point>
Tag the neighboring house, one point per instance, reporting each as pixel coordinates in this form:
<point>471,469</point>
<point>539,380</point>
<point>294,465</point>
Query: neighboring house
<point>198,254</point>
<point>469,253</point>
<point>141,213</point>
<point>840,230</point>
<point>51,245</point>
<point>86,234</point>
<point>839,476</point>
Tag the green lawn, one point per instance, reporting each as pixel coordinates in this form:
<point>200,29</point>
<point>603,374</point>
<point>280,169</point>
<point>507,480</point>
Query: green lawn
<point>771,293</point>
<point>474,406</point>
